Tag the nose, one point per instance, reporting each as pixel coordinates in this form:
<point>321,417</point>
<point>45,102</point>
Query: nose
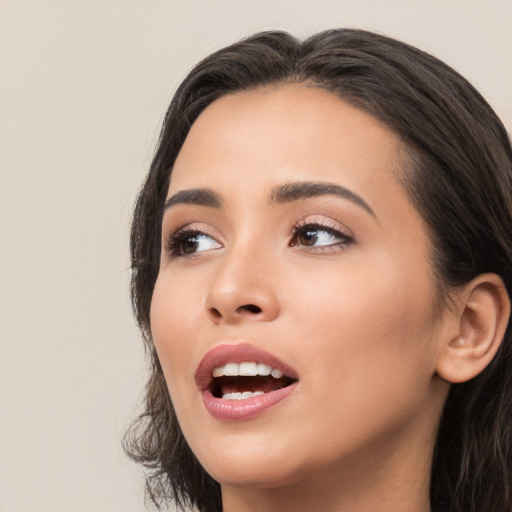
<point>242,289</point>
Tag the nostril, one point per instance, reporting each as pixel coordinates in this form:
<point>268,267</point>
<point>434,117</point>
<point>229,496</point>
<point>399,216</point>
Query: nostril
<point>251,308</point>
<point>215,312</point>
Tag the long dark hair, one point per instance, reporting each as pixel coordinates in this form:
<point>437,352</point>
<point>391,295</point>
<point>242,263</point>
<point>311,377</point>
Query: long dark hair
<point>458,172</point>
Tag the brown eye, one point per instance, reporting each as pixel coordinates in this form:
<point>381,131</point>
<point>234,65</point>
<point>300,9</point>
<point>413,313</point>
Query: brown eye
<point>189,245</point>
<point>315,235</point>
<point>187,242</point>
<point>307,237</point>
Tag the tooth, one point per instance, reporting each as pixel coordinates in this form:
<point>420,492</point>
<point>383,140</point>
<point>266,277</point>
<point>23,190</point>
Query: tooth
<point>232,396</point>
<point>264,369</point>
<point>231,370</point>
<point>218,372</point>
<point>242,396</point>
<point>248,369</point>
<point>277,374</point>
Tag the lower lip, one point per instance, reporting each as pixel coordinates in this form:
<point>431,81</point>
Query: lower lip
<point>245,409</point>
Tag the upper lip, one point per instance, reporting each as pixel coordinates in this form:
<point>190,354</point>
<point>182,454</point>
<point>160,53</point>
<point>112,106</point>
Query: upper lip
<point>239,353</point>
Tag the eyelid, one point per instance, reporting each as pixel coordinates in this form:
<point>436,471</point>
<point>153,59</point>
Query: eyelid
<point>173,237</point>
<point>325,223</point>
<point>199,227</point>
<point>337,230</point>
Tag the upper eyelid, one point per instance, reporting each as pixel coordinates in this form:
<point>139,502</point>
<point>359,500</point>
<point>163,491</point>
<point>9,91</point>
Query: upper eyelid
<point>327,224</point>
<point>319,224</point>
<point>192,227</point>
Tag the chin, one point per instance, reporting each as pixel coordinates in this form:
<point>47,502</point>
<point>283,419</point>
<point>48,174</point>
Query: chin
<point>257,475</point>
<point>250,461</point>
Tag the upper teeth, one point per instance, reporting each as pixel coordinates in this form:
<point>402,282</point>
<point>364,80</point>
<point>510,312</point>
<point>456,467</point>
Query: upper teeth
<point>248,369</point>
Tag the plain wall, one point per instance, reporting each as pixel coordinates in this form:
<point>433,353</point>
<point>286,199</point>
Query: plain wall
<point>83,89</point>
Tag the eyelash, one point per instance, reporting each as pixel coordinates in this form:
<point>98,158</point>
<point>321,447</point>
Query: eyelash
<point>175,242</point>
<point>177,239</point>
<point>305,226</point>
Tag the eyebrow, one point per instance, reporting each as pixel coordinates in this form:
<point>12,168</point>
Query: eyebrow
<point>305,189</point>
<point>198,196</point>
<point>286,193</point>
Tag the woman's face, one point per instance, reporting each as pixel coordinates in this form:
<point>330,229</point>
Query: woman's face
<point>289,243</point>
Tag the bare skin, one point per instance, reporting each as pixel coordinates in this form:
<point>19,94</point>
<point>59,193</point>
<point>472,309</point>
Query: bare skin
<point>339,287</point>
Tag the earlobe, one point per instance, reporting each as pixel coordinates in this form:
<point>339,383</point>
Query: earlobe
<point>482,316</point>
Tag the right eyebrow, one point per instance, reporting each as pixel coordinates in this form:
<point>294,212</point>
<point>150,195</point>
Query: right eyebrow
<point>198,196</point>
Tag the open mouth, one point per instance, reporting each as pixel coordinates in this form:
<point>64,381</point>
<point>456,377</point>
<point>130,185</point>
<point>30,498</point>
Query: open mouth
<point>240,381</point>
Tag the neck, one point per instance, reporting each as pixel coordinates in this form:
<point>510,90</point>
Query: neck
<point>396,481</point>
<point>349,496</point>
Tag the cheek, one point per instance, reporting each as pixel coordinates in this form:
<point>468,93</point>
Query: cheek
<point>375,324</point>
<point>174,321</point>
<point>369,350</point>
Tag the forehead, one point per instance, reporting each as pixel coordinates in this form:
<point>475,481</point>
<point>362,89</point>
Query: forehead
<point>246,144</point>
<point>284,132</point>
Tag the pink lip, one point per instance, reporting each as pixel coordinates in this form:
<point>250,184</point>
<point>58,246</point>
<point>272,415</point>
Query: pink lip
<point>237,410</point>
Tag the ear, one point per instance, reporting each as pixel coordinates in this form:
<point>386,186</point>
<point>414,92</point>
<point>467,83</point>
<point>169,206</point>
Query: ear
<point>481,315</point>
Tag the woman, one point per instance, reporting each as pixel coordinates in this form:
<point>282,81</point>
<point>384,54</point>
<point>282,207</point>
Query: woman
<point>322,264</point>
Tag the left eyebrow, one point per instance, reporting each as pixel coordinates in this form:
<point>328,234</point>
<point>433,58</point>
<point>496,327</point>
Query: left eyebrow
<point>305,189</point>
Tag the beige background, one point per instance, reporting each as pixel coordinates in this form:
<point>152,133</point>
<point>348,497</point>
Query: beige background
<point>83,89</point>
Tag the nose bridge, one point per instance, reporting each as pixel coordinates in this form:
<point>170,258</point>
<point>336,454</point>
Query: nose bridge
<point>243,288</point>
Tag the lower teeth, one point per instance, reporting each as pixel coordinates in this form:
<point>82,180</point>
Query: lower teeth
<point>241,396</point>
